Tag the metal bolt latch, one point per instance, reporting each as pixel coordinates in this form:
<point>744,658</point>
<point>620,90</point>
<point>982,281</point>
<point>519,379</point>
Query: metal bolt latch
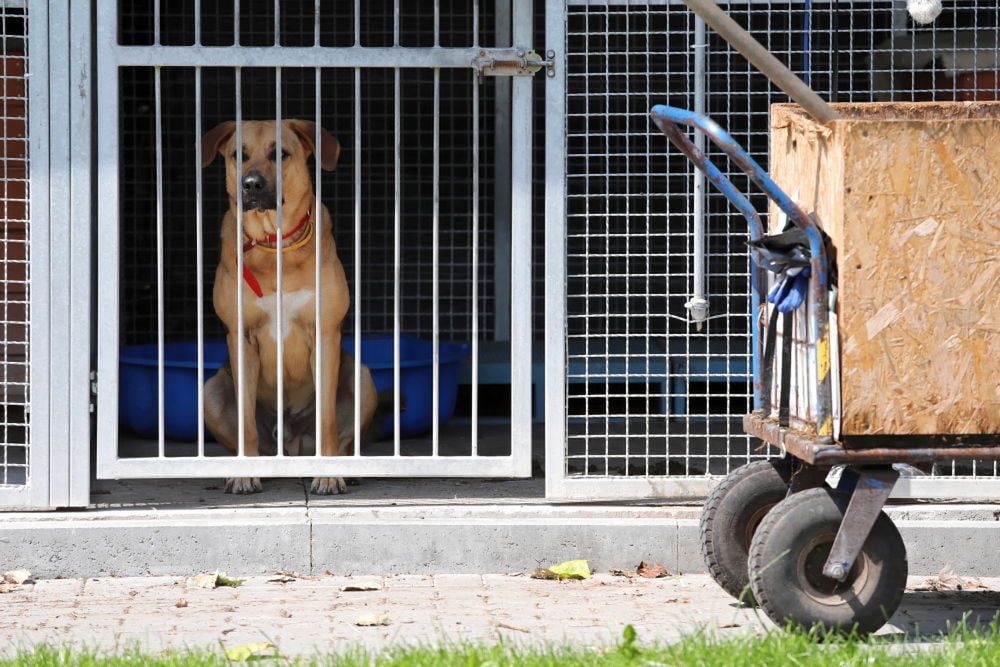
<point>512,62</point>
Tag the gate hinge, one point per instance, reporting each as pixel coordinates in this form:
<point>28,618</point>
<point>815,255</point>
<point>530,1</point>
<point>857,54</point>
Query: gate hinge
<point>93,391</point>
<point>513,62</point>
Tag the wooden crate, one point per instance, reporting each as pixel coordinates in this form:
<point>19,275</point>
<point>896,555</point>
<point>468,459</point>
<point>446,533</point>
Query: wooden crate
<point>910,195</point>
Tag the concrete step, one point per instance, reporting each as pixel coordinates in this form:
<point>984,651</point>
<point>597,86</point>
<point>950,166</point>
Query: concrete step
<point>408,537</point>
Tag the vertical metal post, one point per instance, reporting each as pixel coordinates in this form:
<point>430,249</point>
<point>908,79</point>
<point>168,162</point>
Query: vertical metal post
<point>199,261</point>
<point>698,305</point>
<point>357,227</point>
<point>501,184</point>
<point>436,255</point>
<point>159,267</point>
<point>240,337</point>
<point>520,329</point>
<point>555,252</point>
<point>317,215</point>
<point>475,261</point>
<point>396,253</point>
<point>279,223</point>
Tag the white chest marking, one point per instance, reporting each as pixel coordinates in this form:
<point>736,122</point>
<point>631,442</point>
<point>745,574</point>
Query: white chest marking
<point>291,304</point>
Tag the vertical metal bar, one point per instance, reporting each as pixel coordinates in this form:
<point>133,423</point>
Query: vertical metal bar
<point>395,23</point>
<point>698,305</point>
<point>156,22</point>
<point>475,23</point>
<point>396,255</point>
<point>501,185</point>
<point>159,265</point>
<point>236,23</point>
<point>316,31</point>
<point>277,24</point>
<point>436,256</point>
<point>279,223</point>
<point>317,214</point>
<point>357,227</point>
<point>108,250</point>
<point>357,241</point>
<point>437,22</point>
<point>474,78</point>
<point>521,335</point>
<point>197,32</point>
<point>240,338</point>
<point>199,262</point>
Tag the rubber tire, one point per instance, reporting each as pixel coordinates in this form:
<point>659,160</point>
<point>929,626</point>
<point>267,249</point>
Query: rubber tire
<point>785,584</point>
<point>731,515</point>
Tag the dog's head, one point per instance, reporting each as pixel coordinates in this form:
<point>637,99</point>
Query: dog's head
<point>257,183</point>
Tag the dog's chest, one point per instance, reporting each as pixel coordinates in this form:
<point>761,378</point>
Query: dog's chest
<point>295,307</point>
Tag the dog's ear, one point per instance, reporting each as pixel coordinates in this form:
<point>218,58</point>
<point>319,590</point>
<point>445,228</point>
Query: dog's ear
<point>329,148</point>
<point>213,139</point>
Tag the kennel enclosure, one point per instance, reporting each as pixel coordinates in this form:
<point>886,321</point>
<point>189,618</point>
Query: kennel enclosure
<point>625,324</point>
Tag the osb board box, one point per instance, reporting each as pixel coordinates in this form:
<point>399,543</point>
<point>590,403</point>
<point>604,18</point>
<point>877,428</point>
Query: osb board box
<point>910,196</point>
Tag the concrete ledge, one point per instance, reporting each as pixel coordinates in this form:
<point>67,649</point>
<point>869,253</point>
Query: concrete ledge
<point>425,540</point>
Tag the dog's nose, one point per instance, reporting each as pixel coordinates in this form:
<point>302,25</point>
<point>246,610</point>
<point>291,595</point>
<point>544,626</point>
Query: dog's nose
<point>254,182</point>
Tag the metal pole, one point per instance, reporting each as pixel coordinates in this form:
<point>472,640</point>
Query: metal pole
<point>763,60</point>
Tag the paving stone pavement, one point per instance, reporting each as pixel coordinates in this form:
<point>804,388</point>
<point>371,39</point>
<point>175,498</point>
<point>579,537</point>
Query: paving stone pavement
<point>306,615</point>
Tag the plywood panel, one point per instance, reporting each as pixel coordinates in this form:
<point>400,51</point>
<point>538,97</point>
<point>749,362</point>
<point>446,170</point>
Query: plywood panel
<point>910,195</point>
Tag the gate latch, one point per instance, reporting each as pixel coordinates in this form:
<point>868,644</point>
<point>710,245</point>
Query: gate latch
<point>513,62</point>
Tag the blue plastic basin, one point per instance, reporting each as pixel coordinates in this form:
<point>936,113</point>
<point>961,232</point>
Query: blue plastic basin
<point>138,394</point>
<point>416,378</point>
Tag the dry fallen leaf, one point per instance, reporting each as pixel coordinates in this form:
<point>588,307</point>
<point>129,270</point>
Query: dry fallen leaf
<point>652,570</point>
<point>728,625</point>
<point>618,572</point>
<point>213,580</point>
<point>12,579</point>
<point>354,588</point>
<point>542,573</point>
<point>244,652</point>
<point>16,577</point>
<point>180,604</point>
<point>280,579</point>
<point>947,580</point>
<point>369,620</point>
<point>284,613</point>
<point>513,627</point>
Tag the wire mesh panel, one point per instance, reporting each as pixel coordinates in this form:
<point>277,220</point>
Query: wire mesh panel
<point>405,220</point>
<point>658,362</point>
<point>14,242</point>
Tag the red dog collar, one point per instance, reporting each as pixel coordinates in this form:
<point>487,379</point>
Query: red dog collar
<point>248,275</point>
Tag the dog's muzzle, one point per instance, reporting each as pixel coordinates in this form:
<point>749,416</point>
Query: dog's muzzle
<point>258,193</point>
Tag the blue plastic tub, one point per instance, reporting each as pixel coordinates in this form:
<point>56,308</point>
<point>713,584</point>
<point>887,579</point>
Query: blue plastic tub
<point>138,392</point>
<point>416,378</point>
<point>138,395</point>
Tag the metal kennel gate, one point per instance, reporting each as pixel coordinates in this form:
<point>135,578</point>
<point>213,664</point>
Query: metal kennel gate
<point>648,344</point>
<point>44,254</point>
<point>305,56</point>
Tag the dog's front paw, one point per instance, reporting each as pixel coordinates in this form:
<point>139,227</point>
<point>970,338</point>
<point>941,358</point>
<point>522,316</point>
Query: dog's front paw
<point>328,486</point>
<point>244,485</point>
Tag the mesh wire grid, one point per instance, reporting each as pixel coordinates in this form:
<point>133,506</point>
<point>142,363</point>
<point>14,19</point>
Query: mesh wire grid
<point>14,274</point>
<point>647,392</point>
<point>337,25</point>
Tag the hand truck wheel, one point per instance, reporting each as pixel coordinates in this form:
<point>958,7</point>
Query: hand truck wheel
<point>731,515</point>
<point>789,550</point>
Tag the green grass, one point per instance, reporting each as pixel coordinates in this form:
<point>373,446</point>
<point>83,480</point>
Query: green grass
<point>961,646</point>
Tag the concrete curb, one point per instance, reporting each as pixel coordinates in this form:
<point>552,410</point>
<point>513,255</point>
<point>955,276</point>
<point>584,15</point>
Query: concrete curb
<point>425,540</point>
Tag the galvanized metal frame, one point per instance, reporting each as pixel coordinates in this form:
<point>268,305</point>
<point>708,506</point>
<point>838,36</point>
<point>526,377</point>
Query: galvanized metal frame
<point>59,132</point>
<point>983,483</point>
<point>112,56</point>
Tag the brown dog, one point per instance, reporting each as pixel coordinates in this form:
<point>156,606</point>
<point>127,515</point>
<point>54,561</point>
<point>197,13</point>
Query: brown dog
<point>256,186</point>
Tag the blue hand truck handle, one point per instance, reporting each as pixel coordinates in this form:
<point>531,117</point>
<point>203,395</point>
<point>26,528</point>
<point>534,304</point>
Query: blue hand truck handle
<point>668,119</point>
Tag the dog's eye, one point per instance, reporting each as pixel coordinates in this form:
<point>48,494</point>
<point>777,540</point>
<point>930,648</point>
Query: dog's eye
<point>284,155</point>
<point>246,158</point>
